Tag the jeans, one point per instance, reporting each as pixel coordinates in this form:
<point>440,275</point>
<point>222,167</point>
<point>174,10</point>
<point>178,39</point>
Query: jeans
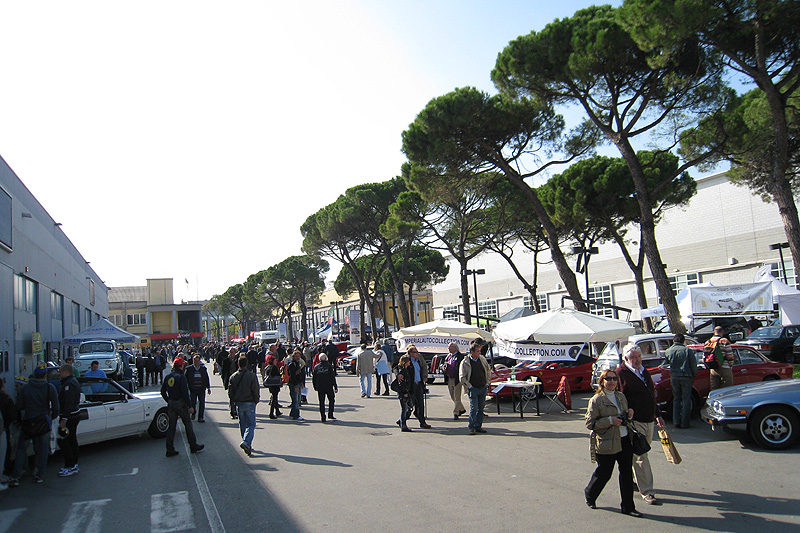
<point>368,378</point>
<point>294,390</point>
<point>178,409</point>
<point>69,446</point>
<point>477,401</point>
<point>247,421</point>
<point>681,400</point>
<point>605,467</point>
<point>406,404</point>
<point>198,399</point>
<point>41,445</point>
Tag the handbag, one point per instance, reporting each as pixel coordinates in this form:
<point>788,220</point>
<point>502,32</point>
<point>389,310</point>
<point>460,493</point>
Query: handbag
<point>36,426</point>
<point>395,385</point>
<point>273,381</point>
<point>669,447</point>
<point>639,442</point>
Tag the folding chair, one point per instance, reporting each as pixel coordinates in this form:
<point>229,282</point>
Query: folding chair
<point>555,401</point>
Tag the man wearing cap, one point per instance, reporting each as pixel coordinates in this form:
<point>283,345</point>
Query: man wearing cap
<point>197,377</point>
<point>175,391</point>
<point>69,398</point>
<point>38,401</point>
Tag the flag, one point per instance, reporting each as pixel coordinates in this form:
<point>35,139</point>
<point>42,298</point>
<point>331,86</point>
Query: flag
<point>186,280</point>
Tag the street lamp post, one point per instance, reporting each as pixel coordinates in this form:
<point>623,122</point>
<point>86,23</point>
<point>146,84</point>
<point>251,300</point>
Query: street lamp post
<point>583,255</point>
<point>336,303</point>
<point>780,246</point>
<point>475,274</point>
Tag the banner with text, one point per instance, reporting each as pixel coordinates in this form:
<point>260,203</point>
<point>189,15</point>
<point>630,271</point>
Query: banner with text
<point>355,326</point>
<point>528,351</point>
<point>432,343</point>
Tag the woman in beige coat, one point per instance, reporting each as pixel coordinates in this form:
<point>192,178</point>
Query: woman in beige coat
<point>607,417</point>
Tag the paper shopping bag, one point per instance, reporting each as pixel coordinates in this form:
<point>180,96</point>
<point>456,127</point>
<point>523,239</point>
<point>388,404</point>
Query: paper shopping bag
<point>669,447</point>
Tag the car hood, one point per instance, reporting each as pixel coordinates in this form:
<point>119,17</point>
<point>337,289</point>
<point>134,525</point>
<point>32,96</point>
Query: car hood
<point>756,389</point>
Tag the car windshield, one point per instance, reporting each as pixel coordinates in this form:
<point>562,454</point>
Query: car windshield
<point>96,347</point>
<point>765,333</point>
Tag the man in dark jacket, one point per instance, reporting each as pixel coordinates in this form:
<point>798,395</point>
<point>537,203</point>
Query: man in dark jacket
<point>682,370</point>
<point>296,379</point>
<point>245,393</point>
<point>197,377</point>
<point>324,381</point>
<point>637,386</point>
<point>175,392</point>
<point>37,400</point>
<point>69,398</point>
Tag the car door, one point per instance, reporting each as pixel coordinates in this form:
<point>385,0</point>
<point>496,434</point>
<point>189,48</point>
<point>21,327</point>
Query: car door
<point>124,413</point>
<point>747,366</point>
<point>93,428</point>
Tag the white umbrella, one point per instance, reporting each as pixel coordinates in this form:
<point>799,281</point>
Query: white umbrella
<point>564,325</point>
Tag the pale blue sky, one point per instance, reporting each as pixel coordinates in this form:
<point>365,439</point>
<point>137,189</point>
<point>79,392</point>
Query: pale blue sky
<point>200,135</point>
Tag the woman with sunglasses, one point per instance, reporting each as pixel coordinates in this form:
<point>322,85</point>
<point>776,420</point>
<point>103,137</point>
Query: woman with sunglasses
<point>607,417</point>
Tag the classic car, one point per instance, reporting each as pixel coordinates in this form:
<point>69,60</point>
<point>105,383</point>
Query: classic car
<point>653,346</point>
<point>578,373</point>
<point>776,342</point>
<point>769,411</point>
<point>749,366</point>
<point>102,351</point>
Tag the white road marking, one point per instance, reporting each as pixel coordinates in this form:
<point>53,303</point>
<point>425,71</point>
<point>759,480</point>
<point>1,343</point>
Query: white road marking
<point>7,518</point>
<point>132,473</point>
<point>214,520</point>
<point>171,512</point>
<point>85,517</point>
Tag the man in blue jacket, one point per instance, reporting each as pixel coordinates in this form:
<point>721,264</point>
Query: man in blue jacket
<point>197,377</point>
<point>175,392</point>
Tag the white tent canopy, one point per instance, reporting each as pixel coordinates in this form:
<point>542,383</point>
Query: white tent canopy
<point>102,330</point>
<point>787,298</point>
<point>564,325</point>
<point>437,334</point>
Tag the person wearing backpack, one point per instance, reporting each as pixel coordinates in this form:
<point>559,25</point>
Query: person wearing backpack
<point>722,376</point>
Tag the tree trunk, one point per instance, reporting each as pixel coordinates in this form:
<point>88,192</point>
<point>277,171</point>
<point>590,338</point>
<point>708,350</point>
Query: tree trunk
<point>465,291</point>
<point>397,281</point>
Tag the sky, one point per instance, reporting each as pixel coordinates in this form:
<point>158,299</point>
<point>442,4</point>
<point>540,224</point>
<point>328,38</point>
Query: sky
<point>199,135</point>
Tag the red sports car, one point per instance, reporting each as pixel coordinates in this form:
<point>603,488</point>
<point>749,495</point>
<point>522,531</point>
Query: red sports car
<point>578,373</point>
<point>748,366</point>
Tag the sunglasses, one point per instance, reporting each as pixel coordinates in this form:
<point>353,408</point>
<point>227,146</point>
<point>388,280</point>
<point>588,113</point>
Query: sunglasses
<point>611,379</point>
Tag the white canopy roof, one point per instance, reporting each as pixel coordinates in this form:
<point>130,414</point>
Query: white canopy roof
<point>564,325</point>
<point>447,328</point>
<point>102,330</point>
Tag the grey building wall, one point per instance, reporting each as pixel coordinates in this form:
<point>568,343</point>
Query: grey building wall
<point>41,253</point>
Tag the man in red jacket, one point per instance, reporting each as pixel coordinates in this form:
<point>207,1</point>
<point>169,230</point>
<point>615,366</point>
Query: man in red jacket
<point>637,386</point>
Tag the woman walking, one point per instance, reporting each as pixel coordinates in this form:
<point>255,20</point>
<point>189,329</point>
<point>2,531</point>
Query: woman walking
<point>607,417</point>
<point>404,389</point>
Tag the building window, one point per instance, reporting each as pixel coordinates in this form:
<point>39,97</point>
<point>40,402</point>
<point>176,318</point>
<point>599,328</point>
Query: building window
<point>527,302</point>
<point>6,204</point>
<point>601,293</point>
<point>137,319</point>
<point>76,314</point>
<point>450,312</point>
<point>488,308</point>
<point>88,318</point>
<point>678,283</point>
<point>56,306</point>
<point>25,294</point>
<point>791,276</point>
<point>115,319</point>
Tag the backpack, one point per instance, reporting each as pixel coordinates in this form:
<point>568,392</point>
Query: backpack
<point>710,358</point>
<point>285,373</point>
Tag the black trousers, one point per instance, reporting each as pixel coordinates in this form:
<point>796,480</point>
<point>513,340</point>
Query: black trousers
<point>605,467</point>
<point>321,395</point>
<point>179,409</point>
<point>419,401</point>
<point>385,378</point>
<point>69,446</point>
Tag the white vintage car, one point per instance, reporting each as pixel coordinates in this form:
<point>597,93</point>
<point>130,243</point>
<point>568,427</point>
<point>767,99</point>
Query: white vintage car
<point>115,412</point>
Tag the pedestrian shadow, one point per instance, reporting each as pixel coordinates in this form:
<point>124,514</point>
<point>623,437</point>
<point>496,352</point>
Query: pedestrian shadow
<point>730,506</point>
<point>299,459</point>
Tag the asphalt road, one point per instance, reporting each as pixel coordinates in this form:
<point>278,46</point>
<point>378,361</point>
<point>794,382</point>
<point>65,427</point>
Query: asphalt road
<point>361,473</point>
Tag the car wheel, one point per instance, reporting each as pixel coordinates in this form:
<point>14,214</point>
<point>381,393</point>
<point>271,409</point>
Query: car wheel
<point>158,427</point>
<point>771,378</point>
<point>790,357</point>
<point>774,427</point>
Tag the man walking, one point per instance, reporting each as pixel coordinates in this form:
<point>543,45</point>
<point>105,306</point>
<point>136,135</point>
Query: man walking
<point>69,398</point>
<point>199,383</point>
<point>476,375</point>
<point>38,402</point>
<point>722,376</point>
<point>637,386</point>
<point>682,370</point>
<point>454,386</point>
<point>420,371</point>
<point>365,366</point>
<point>324,382</point>
<point>175,392</point>
<point>245,393</point>
<point>296,379</point>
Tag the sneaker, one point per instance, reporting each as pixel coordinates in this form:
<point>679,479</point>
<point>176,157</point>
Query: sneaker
<point>197,448</point>
<point>38,479</point>
<point>651,500</point>
<point>247,449</point>
<point>172,453</point>
<point>66,472</point>
<point>13,482</point>
<point>299,418</point>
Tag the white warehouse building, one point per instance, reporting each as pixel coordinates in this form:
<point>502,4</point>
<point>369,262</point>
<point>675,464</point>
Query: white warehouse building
<point>722,236</point>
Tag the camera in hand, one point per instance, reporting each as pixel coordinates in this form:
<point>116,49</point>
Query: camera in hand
<point>624,418</point>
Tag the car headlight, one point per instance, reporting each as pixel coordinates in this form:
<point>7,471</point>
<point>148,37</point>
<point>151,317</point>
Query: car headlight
<point>717,408</point>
